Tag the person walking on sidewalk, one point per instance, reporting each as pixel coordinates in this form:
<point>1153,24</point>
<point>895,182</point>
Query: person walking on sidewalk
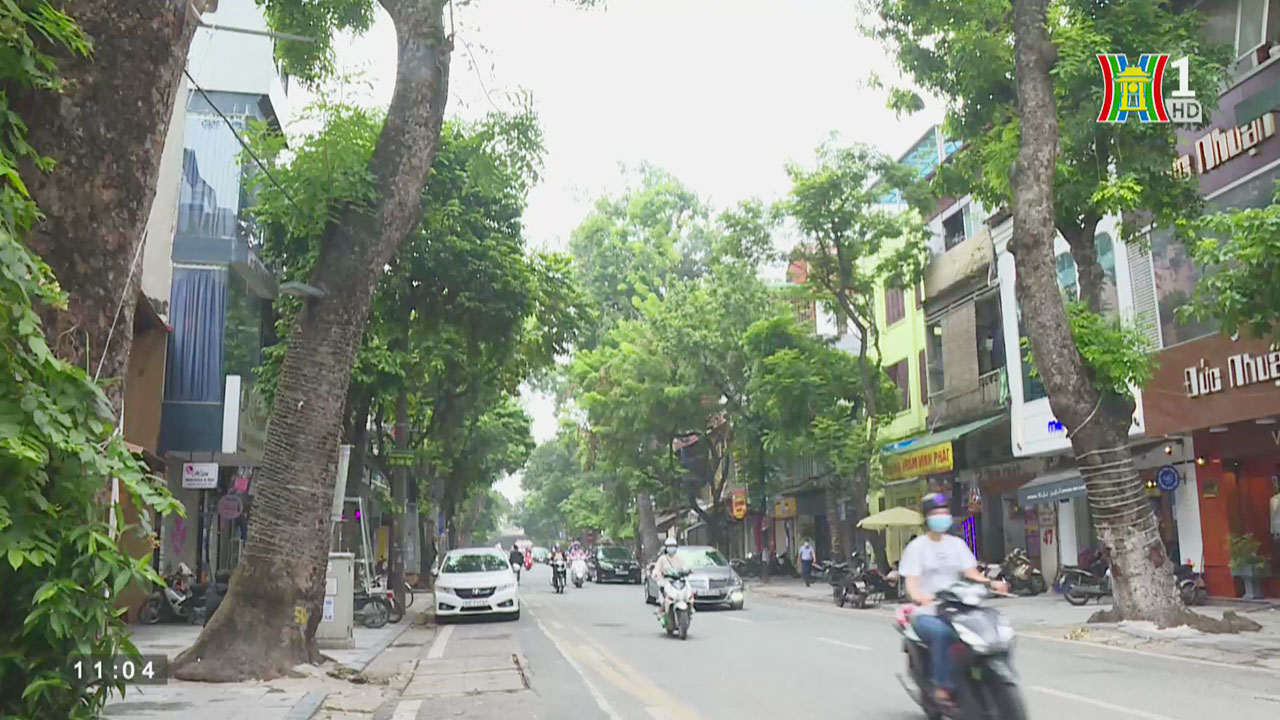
<point>806,562</point>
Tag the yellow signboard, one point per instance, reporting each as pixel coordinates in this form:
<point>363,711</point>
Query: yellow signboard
<point>914,463</point>
<point>739,504</point>
<point>784,508</point>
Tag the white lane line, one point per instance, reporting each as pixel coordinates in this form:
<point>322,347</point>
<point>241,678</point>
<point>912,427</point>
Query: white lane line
<point>407,710</point>
<point>737,619</point>
<point>1161,656</point>
<point>601,702</point>
<point>841,643</point>
<point>1098,703</point>
<point>438,645</point>
<point>556,624</point>
<point>658,713</point>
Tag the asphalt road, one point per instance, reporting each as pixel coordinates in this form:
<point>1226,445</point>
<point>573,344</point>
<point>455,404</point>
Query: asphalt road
<point>598,652</point>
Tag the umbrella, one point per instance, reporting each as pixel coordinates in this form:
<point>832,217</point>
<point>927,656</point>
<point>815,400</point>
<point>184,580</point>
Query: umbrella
<point>893,517</point>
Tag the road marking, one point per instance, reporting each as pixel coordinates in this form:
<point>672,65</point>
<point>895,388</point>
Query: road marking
<point>737,619</point>
<point>1161,656</point>
<point>601,702</point>
<point>438,645</point>
<point>1099,703</point>
<point>658,713</point>
<point>842,643</point>
<point>407,710</point>
<point>628,678</point>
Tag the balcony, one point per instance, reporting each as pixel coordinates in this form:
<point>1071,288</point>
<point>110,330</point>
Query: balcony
<point>962,262</point>
<point>957,405</point>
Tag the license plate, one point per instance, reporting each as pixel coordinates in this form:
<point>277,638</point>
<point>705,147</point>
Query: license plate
<point>475,603</point>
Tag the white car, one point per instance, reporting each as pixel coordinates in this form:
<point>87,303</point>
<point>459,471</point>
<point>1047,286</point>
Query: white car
<point>476,581</point>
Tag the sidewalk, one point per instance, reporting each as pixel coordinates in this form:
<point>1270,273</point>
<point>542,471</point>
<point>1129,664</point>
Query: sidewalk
<point>1049,616</point>
<point>353,684</point>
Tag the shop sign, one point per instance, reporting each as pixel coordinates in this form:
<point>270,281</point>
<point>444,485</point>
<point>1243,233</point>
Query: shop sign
<point>925,461</point>
<point>1242,369</point>
<point>1219,147</point>
<point>1167,478</point>
<point>200,476</point>
<point>784,508</point>
<point>739,504</point>
<point>230,506</point>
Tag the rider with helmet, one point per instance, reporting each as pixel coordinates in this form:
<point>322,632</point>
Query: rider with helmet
<point>930,564</point>
<point>667,561</point>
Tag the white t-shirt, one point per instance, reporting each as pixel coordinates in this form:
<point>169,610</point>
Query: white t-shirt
<point>806,552</point>
<point>939,565</point>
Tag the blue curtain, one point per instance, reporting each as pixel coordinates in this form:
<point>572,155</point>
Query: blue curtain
<point>198,311</point>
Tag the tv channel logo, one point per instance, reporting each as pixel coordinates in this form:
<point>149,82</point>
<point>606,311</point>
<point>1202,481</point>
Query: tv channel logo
<point>1137,90</point>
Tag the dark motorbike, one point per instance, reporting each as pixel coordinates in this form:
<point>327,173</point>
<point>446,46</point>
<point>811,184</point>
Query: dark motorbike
<point>747,567</point>
<point>849,586</point>
<point>1022,576</point>
<point>372,609</point>
<point>1086,581</point>
<point>559,574</point>
<point>1191,587</point>
<point>175,602</point>
<point>986,685</point>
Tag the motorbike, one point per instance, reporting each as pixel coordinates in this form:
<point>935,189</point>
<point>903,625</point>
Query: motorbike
<point>1023,578</point>
<point>1191,587</point>
<point>1081,583</point>
<point>986,685</point>
<point>516,567</point>
<point>175,602</point>
<point>677,599</point>
<point>849,584</point>
<point>748,566</point>
<point>558,571</point>
<point>579,572</point>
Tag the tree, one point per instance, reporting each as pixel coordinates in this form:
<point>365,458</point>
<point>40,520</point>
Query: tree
<point>59,449</point>
<point>1023,82</point>
<point>853,246</point>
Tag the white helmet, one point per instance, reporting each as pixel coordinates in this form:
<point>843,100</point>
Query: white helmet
<point>670,542</point>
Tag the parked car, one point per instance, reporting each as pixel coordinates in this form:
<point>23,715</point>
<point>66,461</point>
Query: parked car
<point>541,555</point>
<point>712,580</point>
<point>611,562</point>
<point>476,581</point>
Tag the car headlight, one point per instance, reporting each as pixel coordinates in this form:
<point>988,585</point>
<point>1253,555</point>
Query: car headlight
<point>445,588</point>
<point>735,580</point>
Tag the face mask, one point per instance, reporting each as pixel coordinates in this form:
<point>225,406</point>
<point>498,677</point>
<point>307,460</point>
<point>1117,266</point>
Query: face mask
<point>939,523</point>
<point>671,551</point>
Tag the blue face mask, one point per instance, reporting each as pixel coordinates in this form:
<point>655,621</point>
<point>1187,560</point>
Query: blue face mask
<point>938,523</point>
<point>671,551</point>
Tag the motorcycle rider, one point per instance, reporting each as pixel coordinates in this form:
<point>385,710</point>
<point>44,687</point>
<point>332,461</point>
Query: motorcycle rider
<point>668,560</point>
<point>557,553</point>
<point>516,559</point>
<point>930,564</point>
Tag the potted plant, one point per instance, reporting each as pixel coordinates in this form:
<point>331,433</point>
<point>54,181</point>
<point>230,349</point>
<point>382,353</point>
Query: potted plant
<point>1247,562</point>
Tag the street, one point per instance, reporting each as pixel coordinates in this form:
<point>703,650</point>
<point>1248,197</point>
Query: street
<point>598,652</point>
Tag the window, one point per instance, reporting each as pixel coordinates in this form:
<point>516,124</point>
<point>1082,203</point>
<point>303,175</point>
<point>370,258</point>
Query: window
<point>901,375</point>
<point>894,307</point>
<point>990,334</point>
<point>953,230</point>
<point>923,367</point>
<point>933,343</point>
<point>473,563</point>
<point>1032,387</point>
<point>1252,26</point>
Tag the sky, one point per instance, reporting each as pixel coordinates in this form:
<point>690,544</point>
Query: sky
<point>721,93</point>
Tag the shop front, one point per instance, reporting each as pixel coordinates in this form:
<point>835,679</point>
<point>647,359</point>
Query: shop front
<point>1223,394</point>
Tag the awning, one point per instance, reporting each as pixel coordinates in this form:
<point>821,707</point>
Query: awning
<point>1051,487</point>
<point>939,437</point>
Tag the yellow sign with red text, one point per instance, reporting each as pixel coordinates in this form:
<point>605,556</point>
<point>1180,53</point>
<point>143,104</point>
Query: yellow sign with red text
<point>916,463</point>
<point>739,504</point>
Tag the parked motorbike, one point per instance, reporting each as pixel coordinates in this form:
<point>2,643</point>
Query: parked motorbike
<point>747,567</point>
<point>1191,587</point>
<point>176,601</point>
<point>558,571</point>
<point>373,609</point>
<point>1022,576</point>
<point>579,572</point>
<point>677,599</point>
<point>986,686</point>
<point>1080,584</point>
<point>849,586</point>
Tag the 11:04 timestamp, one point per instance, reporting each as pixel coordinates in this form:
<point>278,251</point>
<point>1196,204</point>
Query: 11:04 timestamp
<point>132,669</point>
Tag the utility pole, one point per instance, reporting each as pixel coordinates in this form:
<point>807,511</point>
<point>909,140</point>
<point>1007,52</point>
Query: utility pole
<point>766,555</point>
<point>398,481</point>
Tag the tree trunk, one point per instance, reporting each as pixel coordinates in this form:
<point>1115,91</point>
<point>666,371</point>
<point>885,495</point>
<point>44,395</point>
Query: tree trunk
<point>395,535</point>
<point>267,622</point>
<point>1098,425</point>
<point>648,527</point>
<point>106,131</point>
<point>833,523</point>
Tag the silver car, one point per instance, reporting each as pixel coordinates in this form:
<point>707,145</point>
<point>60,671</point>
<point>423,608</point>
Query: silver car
<point>712,580</point>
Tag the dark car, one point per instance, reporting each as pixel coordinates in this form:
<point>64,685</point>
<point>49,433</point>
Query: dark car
<point>610,562</point>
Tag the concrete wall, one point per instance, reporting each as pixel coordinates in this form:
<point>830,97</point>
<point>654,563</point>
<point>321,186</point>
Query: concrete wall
<point>157,265</point>
<point>144,388</point>
<point>903,340</point>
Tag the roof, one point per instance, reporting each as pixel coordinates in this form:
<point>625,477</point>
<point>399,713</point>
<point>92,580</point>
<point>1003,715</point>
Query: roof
<point>1054,486</point>
<point>937,438</point>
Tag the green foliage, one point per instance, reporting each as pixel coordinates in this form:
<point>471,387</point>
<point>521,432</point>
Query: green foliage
<point>1245,553</point>
<point>1238,252</point>
<point>321,21</point>
<point>962,52</point>
<point>1117,354</point>
<point>61,564</point>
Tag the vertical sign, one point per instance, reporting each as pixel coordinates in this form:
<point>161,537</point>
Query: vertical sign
<point>340,482</point>
<point>231,415</point>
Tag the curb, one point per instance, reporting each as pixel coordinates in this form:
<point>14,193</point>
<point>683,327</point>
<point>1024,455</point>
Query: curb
<point>378,649</point>
<point>307,707</point>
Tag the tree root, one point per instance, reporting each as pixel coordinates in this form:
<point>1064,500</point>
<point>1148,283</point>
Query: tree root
<point>1231,621</point>
<point>240,643</point>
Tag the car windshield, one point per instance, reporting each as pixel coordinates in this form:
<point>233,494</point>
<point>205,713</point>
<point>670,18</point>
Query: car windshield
<point>615,553</point>
<point>697,558</point>
<point>471,563</point>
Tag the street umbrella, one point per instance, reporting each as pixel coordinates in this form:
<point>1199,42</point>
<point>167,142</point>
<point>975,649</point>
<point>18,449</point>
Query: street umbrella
<point>892,518</point>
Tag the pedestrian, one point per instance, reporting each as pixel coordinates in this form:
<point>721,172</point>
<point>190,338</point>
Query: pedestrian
<point>806,562</point>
